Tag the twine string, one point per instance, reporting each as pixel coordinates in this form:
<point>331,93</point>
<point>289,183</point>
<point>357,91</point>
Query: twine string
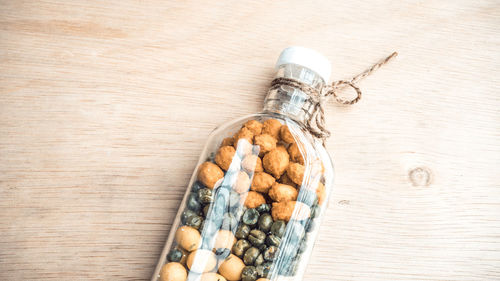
<point>316,123</point>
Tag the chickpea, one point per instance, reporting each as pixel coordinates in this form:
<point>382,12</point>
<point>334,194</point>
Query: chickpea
<point>262,182</point>
<point>209,174</point>
<point>265,142</point>
<point>254,199</point>
<point>321,193</point>
<point>295,154</point>
<point>276,161</point>
<point>252,164</point>
<point>188,238</point>
<point>243,133</point>
<point>227,141</point>
<point>242,183</point>
<point>224,157</point>
<point>212,276</point>
<point>201,261</point>
<point>173,271</point>
<point>285,134</point>
<point>272,127</point>
<point>254,126</point>
<point>224,239</point>
<point>282,192</point>
<point>295,172</point>
<point>231,268</point>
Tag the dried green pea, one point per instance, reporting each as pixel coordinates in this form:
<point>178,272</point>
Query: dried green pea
<point>240,247</point>
<point>242,231</point>
<point>193,203</point>
<point>263,269</point>
<point>264,208</point>
<point>194,221</point>
<point>205,196</point>
<point>265,222</point>
<point>259,260</point>
<point>249,273</point>
<point>273,240</point>
<point>250,256</point>
<point>278,228</point>
<point>175,255</point>
<point>186,215</point>
<point>257,237</point>
<point>270,253</point>
<point>250,217</point>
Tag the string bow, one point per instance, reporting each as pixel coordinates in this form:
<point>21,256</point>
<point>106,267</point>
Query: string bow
<point>316,123</point>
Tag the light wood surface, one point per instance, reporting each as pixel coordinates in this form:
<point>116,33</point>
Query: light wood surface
<point>105,107</point>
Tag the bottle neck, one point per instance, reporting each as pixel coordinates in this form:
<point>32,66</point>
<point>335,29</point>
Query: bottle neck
<point>290,101</point>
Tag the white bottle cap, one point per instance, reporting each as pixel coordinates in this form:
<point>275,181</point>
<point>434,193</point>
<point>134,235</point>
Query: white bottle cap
<point>307,58</point>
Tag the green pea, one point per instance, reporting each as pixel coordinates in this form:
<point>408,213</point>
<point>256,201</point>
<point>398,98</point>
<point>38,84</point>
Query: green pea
<point>194,221</point>
<point>240,247</point>
<point>259,260</point>
<point>265,222</point>
<point>264,208</point>
<point>205,196</point>
<point>249,273</point>
<point>278,228</point>
<point>187,214</point>
<point>250,256</point>
<point>311,225</point>
<point>257,237</point>
<point>175,255</point>
<point>263,269</point>
<point>270,253</point>
<point>250,217</point>
<point>273,240</point>
<point>315,211</point>
<point>205,210</point>
<point>197,186</point>
<point>229,221</point>
<point>192,202</point>
<point>242,231</point>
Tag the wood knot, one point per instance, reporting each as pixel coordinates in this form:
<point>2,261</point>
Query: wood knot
<point>420,176</point>
<point>344,202</point>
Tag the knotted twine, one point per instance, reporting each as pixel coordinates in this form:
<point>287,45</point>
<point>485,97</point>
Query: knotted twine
<point>316,123</point>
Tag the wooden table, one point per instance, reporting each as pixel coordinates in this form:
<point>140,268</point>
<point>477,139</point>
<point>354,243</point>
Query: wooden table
<point>105,107</point>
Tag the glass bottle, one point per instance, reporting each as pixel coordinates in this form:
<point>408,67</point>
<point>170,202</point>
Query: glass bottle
<point>255,200</point>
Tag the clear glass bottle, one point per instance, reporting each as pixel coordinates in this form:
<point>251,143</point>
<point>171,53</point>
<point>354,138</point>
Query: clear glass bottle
<point>255,200</point>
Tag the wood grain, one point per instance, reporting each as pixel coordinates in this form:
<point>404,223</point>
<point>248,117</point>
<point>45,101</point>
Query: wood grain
<point>105,107</point>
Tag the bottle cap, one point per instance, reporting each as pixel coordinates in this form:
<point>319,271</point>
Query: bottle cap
<point>307,58</point>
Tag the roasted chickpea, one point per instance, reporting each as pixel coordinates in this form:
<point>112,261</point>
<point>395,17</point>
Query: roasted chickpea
<point>272,127</point>
<point>227,141</point>
<point>320,192</point>
<point>212,276</point>
<point>188,238</point>
<point>252,164</point>
<point>173,271</point>
<point>242,183</point>
<point>254,199</point>
<point>231,268</point>
<point>295,172</point>
<point>295,154</point>
<point>254,126</point>
<point>282,192</point>
<point>283,210</point>
<point>276,161</point>
<point>266,143</point>
<point>201,261</point>
<point>262,182</point>
<point>209,174</point>
<point>224,157</point>
<point>285,134</point>
<point>224,239</point>
<point>243,133</point>
<point>286,180</point>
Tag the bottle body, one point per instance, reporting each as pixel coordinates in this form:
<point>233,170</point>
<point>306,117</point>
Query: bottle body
<point>254,203</point>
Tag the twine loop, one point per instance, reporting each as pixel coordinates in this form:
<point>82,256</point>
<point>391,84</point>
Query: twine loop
<point>316,124</point>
